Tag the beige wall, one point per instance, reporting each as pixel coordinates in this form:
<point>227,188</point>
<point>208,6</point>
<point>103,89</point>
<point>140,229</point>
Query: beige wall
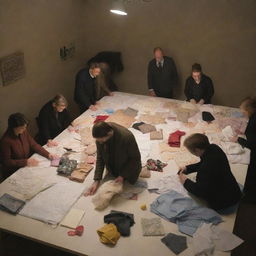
<point>220,34</point>
<point>39,28</point>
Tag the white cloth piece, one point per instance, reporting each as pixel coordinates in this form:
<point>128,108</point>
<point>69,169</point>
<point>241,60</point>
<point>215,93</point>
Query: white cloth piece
<point>232,148</point>
<point>166,184</point>
<point>51,205</point>
<point>228,133</point>
<point>240,159</point>
<point>73,218</point>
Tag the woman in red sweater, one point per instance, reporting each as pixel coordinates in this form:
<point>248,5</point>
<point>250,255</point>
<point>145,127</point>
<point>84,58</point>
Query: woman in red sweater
<point>17,146</point>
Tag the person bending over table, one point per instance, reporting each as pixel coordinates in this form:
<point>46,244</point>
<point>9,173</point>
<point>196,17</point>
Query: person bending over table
<point>52,120</point>
<point>199,87</point>
<point>17,146</point>
<point>117,149</point>
<point>248,107</point>
<point>85,88</point>
<point>215,182</point>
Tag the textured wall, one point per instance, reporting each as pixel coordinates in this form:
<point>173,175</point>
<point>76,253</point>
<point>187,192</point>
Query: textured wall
<point>220,34</point>
<point>39,28</point>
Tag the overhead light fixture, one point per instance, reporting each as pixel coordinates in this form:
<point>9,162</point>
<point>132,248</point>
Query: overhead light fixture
<point>118,8</point>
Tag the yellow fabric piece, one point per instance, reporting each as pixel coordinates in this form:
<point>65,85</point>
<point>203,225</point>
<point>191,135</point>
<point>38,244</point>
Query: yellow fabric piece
<point>108,234</point>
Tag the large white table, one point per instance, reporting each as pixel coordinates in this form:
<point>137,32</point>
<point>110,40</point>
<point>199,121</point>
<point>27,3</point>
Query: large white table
<point>88,243</point>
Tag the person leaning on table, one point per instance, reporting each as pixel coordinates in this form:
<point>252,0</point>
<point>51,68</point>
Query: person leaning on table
<point>117,150</point>
<point>17,146</point>
<point>215,182</point>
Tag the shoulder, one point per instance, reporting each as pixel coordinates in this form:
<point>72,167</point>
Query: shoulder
<point>122,132</point>
<point>168,59</point>
<point>189,79</point>
<point>151,62</point>
<point>47,107</point>
<point>84,72</point>
<point>215,151</point>
<point>6,139</point>
<point>206,78</point>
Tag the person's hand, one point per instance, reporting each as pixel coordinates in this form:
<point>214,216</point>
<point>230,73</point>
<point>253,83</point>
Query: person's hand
<point>182,169</point>
<point>93,108</point>
<point>52,156</point>
<point>182,178</point>
<point>234,139</point>
<point>192,101</point>
<point>119,179</point>
<point>111,94</point>
<point>32,162</point>
<point>201,102</point>
<point>71,128</point>
<point>152,93</point>
<point>97,103</point>
<point>51,143</point>
<point>93,188</point>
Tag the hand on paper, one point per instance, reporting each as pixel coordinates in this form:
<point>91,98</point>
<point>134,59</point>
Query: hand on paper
<point>93,108</point>
<point>93,188</point>
<point>51,143</point>
<point>182,178</point>
<point>32,162</point>
<point>152,93</point>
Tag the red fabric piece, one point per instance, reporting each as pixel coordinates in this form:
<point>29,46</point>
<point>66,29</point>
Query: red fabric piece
<point>77,232</point>
<point>174,138</point>
<point>100,118</point>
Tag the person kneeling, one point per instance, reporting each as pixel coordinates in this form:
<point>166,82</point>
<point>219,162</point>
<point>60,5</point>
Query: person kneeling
<point>215,182</point>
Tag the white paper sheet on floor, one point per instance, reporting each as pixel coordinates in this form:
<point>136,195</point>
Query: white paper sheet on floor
<point>51,205</point>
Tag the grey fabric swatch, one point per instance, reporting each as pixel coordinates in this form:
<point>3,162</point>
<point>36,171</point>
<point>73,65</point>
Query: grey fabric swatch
<point>11,204</point>
<point>152,227</point>
<point>146,128</point>
<point>131,112</point>
<point>175,243</point>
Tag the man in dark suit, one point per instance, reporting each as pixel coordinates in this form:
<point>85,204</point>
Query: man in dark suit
<point>85,89</point>
<point>162,75</point>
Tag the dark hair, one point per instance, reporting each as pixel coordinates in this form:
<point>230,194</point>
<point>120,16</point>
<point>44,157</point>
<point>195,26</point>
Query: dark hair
<point>158,49</point>
<point>249,105</point>
<point>16,120</point>
<point>101,129</point>
<point>93,65</point>
<point>196,140</point>
<point>196,67</point>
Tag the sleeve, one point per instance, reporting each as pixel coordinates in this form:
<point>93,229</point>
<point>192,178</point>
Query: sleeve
<point>196,188</point>
<point>66,119</point>
<point>192,168</point>
<point>187,90</point>
<point>82,96</point>
<point>7,159</point>
<point>209,91</point>
<point>150,77</point>
<point>44,128</point>
<point>132,167</point>
<point>100,163</point>
<point>36,147</point>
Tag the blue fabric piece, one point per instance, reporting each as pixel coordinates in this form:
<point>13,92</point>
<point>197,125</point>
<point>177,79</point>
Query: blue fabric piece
<point>183,211</point>
<point>109,110</point>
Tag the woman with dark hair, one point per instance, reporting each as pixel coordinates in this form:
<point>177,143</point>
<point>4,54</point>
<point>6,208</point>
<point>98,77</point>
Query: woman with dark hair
<point>248,107</point>
<point>199,87</point>
<point>52,120</point>
<point>17,146</point>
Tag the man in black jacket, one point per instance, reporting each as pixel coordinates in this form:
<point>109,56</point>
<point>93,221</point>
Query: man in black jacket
<point>199,87</point>
<point>162,75</point>
<point>215,182</point>
<point>85,89</point>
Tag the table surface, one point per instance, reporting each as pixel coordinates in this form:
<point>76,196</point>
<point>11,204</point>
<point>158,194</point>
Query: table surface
<point>88,243</point>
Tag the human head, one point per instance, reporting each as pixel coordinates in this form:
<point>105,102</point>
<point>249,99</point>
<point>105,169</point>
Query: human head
<point>59,103</point>
<point>17,123</point>
<point>196,72</point>
<point>94,69</point>
<point>158,53</point>
<point>102,132</point>
<point>196,144</point>
<point>248,106</point>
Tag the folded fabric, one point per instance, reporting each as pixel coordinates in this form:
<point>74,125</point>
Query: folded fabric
<point>145,173</point>
<point>232,148</point>
<point>108,234</point>
<point>66,166</point>
<point>91,149</point>
<point>79,230</point>
<point>131,112</point>
<point>81,173</point>
<point>155,165</point>
<point>183,211</point>
<point>100,118</point>
<point>228,133</point>
<point>73,218</point>
<point>105,193</point>
<point>122,220</point>
<point>55,162</point>
<point>152,227</point>
<point>130,191</point>
<point>175,243</point>
<point>174,138</point>
<point>147,128</point>
<point>183,116</point>
<point>11,204</point>
<point>156,135</point>
<point>207,116</point>
<point>136,125</point>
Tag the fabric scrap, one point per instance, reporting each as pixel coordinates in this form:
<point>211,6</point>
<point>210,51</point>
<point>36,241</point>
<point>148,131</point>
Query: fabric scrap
<point>147,128</point>
<point>152,227</point>
<point>11,204</point>
<point>73,218</point>
<point>108,234</point>
<point>174,138</point>
<point>155,165</point>
<point>156,135</point>
<point>175,243</point>
<point>100,118</point>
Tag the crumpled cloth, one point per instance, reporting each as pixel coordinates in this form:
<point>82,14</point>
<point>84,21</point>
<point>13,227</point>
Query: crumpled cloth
<point>108,234</point>
<point>174,138</point>
<point>155,165</point>
<point>152,227</point>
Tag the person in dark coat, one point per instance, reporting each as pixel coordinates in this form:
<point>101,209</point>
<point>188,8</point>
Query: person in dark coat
<point>85,89</point>
<point>199,87</point>
<point>117,150</point>
<point>248,107</point>
<point>53,118</point>
<point>17,146</point>
<point>215,182</point>
<point>162,75</point>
